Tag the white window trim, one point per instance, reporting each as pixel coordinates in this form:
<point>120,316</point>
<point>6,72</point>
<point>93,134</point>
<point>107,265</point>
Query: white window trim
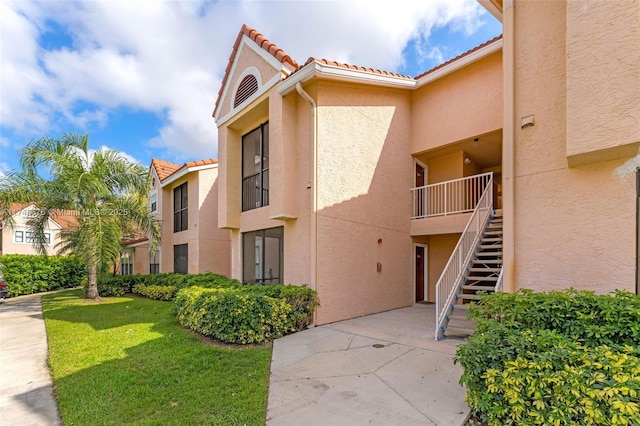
<point>153,194</point>
<point>249,71</point>
<point>28,234</point>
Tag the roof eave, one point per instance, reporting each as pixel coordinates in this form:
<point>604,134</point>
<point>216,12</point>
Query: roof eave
<point>494,7</point>
<point>183,171</point>
<point>450,68</point>
<point>333,72</point>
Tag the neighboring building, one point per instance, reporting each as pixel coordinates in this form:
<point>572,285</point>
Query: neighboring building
<point>360,182</point>
<point>185,199</point>
<point>19,238</point>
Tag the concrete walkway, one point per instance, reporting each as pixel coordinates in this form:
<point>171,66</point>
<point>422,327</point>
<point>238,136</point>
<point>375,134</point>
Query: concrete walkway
<point>382,369</point>
<point>26,389</point>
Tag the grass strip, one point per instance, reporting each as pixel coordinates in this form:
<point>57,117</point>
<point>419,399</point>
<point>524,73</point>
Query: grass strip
<point>127,361</point>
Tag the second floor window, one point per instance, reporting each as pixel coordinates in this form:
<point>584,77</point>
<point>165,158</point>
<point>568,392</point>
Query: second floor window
<point>154,202</point>
<point>255,168</point>
<point>180,210</point>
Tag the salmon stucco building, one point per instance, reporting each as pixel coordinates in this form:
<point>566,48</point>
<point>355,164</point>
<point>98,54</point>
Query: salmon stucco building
<point>19,238</point>
<point>506,167</point>
<point>184,198</point>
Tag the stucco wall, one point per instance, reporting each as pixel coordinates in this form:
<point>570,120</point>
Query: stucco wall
<point>440,249</point>
<point>209,246</point>
<point>573,226</point>
<point>141,260</point>
<point>364,173</point>
<point>289,175</point>
<point>603,79</point>
<point>20,224</point>
<point>465,103</point>
<point>213,243</point>
<point>246,58</point>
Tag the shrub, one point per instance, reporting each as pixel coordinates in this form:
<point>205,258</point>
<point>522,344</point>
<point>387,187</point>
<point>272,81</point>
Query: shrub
<point>223,308</point>
<point>157,292</point>
<point>27,274</point>
<point>566,357</point>
<point>591,319</point>
<point>233,316</point>
<point>118,285</point>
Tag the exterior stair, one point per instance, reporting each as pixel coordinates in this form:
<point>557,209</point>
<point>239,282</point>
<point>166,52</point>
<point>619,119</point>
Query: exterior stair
<point>481,274</point>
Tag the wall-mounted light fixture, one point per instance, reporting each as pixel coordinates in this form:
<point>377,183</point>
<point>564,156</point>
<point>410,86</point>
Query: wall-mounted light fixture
<point>527,121</point>
<point>467,160</point>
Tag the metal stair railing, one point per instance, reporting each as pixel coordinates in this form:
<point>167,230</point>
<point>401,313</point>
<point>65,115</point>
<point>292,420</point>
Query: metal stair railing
<point>452,274</point>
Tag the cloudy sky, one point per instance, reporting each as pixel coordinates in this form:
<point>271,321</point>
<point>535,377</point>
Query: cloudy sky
<point>142,76</point>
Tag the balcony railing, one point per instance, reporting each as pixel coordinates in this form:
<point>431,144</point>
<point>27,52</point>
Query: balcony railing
<point>255,191</point>
<point>450,197</point>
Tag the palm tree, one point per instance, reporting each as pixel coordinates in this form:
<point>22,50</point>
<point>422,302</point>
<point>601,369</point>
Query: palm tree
<point>106,192</point>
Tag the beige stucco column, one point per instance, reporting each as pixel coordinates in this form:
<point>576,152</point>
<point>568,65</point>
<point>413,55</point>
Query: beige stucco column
<point>508,145</point>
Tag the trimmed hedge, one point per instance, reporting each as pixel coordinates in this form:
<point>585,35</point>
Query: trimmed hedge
<point>118,285</point>
<point>156,292</point>
<point>564,357</point>
<point>233,315</point>
<point>223,308</point>
<point>28,274</point>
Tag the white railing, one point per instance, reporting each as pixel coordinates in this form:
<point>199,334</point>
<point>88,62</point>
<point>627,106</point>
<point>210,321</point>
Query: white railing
<point>499,281</point>
<point>453,196</point>
<point>454,270</point>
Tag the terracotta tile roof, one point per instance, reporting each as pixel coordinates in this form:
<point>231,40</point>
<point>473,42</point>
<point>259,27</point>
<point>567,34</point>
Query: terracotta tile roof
<point>64,218</point>
<point>354,67</point>
<point>261,41</point>
<point>462,55</point>
<point>164,168</point>
<point>136,241</point>
<point>201,162</point>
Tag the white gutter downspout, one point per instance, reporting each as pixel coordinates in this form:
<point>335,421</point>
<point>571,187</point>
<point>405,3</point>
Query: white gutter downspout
<point>508,146</point>
<point>314,199</point>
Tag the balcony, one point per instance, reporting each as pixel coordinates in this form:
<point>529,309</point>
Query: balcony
<point>445,207</point>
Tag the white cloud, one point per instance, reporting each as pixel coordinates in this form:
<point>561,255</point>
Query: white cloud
<point>168,57</point>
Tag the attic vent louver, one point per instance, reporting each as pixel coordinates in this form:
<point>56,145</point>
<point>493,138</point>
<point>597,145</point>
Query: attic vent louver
<point>248,86</point>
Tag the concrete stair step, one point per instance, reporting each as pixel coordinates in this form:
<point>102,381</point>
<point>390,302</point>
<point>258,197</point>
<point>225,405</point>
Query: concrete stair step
<point>491,233</point>
<point>489,246</point>
<point>478,287</point>
<point>478,278</point>
<point>467,297</point>
<point>486,262</point>
<point>492,270</point>
<point>491,240</point>
<point>488,253</point>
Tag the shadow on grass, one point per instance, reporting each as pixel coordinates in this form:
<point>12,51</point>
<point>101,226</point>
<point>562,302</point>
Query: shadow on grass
<point>145,369</point>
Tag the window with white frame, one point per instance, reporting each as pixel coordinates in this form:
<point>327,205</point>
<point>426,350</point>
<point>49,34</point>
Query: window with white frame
<point>27,237</point>
<point>126,263</point>
<point>154,263</point>
<point>153,200</point>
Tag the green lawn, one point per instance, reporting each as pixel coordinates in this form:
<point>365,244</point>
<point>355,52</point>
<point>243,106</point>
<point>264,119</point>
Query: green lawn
<point>127,361</point>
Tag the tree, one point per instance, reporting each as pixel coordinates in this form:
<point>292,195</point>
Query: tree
<point>106,192</point>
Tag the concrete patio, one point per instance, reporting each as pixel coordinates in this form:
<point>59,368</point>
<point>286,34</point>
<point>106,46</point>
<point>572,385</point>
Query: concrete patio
<point>382,369</point>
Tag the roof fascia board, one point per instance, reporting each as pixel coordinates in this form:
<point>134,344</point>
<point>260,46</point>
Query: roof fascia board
<point>316,69</point>
<point>183,171</point>
<point>267,86</point>
<point>138,244</point>
<point>271,60</point>
<point>492,8</point>
<point>460,63</point>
